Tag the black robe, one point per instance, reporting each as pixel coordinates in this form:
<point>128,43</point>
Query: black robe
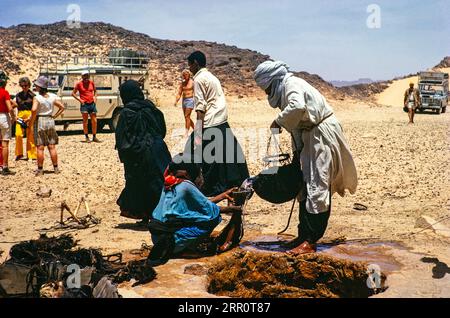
<point>224,173</point>
<point>140,142</point>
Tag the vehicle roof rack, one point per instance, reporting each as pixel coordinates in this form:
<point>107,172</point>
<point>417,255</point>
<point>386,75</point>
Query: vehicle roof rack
<point>54,65</point>
<point>434,75</point>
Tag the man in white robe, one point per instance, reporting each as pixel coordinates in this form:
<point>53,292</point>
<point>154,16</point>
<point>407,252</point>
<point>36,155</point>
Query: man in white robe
<point>318,140</point>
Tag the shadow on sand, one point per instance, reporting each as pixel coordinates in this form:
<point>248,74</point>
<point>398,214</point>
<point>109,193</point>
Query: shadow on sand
<point>139,227</point>
<point>439,270</point>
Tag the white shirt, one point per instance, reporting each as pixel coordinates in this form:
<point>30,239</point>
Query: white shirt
<point>326,160</point>
<point>45,107</point>
<point>210,98</point>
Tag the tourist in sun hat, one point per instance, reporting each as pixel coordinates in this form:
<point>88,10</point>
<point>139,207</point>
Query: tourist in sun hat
<point>44,123</point>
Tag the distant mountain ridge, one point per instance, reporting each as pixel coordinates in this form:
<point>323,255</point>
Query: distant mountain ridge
<point>350,83</point>
<point>21,45</point>
<point>232,65</point>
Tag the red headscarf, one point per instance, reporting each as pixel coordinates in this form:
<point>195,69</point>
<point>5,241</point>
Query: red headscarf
<point>170,180</point>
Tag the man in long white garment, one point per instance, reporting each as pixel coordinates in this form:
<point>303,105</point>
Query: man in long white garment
<point>319,143</point>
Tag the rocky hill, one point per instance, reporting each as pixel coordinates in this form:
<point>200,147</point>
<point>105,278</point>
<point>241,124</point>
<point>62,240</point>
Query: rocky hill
<point>21,46</point>
<point>350,83</point>
<point>444,63</point>
<point>364,91</point>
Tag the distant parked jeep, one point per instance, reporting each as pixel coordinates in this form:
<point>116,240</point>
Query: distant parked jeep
<point>107,73</point>
<point>434,91</point>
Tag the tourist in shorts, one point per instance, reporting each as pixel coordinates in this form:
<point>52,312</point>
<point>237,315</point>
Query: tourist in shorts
<point>88,100</point>
<point>44,123</point>
<point>6,118</point>
<point>186,90</point>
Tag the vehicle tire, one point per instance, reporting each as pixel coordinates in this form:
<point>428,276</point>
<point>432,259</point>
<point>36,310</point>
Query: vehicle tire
<point>438,111</point>
<point>444,109</point>
<point>114,120</point>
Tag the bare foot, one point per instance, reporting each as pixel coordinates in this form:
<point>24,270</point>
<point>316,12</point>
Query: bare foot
<point>225,247</point>
<point>228,241</point>
<point>231,236</point>
<point>304,248</point>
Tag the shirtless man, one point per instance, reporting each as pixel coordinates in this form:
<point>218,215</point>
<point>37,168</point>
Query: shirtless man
<point>186,90</point>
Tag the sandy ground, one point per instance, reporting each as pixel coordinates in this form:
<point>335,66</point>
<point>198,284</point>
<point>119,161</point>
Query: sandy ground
<point>403,174</point>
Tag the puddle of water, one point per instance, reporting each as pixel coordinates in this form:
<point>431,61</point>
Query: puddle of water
<point>376,253</point>
<point>171,279</point>
<point>373,253</point>
<point>265,243</point>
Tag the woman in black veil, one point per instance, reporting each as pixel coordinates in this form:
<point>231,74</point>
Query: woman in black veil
<point>140,143</point>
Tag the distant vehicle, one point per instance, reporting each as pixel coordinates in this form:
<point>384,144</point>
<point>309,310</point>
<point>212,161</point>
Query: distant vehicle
<point>108,73</point>
<point>433,89</point>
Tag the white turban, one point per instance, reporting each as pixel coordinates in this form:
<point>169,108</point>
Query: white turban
<point>272,74</point>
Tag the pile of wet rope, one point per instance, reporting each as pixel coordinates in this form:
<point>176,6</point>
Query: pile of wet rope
<point>47,257</point>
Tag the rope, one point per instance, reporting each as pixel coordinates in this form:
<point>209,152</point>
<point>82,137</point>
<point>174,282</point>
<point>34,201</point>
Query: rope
<point>289,220</point>
<point>293,202</point>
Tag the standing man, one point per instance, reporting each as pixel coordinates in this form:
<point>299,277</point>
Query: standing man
<point>186,89</point>
<point>411,101</point>
<point>222,159</point>
<point>24,102</point>
<point>6,117</point>
<point>320,145</point>
<point>87,99</point>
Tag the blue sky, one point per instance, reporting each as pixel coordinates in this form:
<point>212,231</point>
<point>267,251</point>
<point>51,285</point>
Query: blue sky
<point>330,38</point>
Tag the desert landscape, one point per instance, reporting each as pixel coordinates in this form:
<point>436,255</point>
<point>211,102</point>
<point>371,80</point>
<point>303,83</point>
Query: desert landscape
<point>402,169</point>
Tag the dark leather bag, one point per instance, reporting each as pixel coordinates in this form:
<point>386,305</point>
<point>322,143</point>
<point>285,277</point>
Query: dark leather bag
<point>282,182</point>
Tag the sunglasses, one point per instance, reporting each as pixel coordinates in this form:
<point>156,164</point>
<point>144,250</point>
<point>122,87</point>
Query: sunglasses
<point>24,86</point>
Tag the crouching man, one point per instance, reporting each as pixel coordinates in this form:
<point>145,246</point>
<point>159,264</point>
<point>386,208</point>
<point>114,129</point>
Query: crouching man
<point>184,217</point>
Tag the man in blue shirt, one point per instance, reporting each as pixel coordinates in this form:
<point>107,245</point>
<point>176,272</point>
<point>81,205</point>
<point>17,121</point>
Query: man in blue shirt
<point>184,216</point>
